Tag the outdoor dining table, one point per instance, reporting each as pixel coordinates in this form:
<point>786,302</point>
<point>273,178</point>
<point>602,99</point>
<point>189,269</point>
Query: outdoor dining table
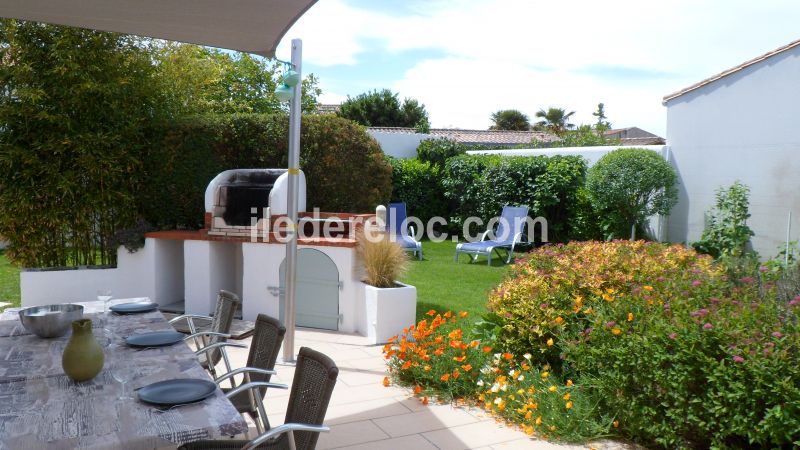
<point>41,408</point>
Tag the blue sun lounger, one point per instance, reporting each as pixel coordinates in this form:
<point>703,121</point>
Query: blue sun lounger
<point>509,233</point>
<point>397,226</point>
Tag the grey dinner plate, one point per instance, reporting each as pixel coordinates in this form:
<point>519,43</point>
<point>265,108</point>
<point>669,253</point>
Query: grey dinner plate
<point>135,307</point>
<point>177,392</point>
<point>155,339</point>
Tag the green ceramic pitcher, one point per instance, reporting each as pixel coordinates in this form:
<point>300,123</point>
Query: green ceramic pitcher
<point>83,356</point>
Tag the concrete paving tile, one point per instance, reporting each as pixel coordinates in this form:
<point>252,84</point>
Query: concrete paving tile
<point>474,435</point>
<point>372,409</point>
<point>414,441</point>
<point>353,433</point>
<point>433,418</point>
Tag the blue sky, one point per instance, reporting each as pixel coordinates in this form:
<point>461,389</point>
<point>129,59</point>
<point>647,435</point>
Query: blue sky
<point>465,59</point>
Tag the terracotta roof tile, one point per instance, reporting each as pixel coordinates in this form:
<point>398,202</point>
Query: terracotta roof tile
<point>478,136</point>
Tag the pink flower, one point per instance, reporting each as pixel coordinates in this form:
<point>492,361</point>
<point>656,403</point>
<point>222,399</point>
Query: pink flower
<point>747,280</point>
<point>673,336</point>
<point>738,359</point>
<point>610,323</point>
<point>696,283</point>
<point>777,334</point>
<point>763,269</point>
<point>708,326</point>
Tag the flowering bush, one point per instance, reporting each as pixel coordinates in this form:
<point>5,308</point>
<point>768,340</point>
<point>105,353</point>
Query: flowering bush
<point>553,293</point>
<point>654,342</point>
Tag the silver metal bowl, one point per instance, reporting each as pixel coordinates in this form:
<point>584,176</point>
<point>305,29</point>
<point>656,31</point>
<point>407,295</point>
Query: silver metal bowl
<point>51,320</point>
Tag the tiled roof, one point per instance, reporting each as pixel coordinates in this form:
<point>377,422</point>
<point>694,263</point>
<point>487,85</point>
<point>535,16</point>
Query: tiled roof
<point>732,70</point>
<point>628,133</point>
<point>643,141</point>
<point>478,136</point>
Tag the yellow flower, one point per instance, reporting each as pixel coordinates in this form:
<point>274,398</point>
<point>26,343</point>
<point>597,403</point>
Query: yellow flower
<point>566,396</point>
<point>539,420</point>
<point>550,342</point>
<point>528,430</point>
<point>569,405</point>
<point>630,317</point>
<point>616,331</point>
<point>559,320</point>
<point>647,288</point>
<point>552,389</point>
<point>615,423</point>
<point>552,428</point>
<point>545,374</point>
<point>569,383</point>
<point>528,415</point>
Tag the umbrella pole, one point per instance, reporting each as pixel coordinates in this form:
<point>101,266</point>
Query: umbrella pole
<point>294,183</point>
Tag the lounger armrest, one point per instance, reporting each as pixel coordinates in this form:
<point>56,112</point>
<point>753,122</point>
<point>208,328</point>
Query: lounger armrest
<point>484,235</point>
<point>245,370</point>
<point>286,428</point>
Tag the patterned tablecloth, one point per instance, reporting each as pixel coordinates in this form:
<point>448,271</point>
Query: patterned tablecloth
<point>41,408</point>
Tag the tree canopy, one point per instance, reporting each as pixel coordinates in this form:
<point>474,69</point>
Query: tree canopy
<point>510,119</point>
<point>555,120</point>
<point>384,109</point>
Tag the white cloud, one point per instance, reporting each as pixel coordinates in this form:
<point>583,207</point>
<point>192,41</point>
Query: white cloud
<point>531,54</point>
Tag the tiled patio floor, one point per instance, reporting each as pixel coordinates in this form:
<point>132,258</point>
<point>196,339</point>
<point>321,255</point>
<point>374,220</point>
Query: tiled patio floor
<point>365,415</point>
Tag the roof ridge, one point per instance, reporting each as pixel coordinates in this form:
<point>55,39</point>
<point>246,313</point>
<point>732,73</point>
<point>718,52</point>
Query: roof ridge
<point>730,71</point>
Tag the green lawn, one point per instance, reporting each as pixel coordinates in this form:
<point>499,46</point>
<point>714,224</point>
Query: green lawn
<point>442,284</point>
<point>9,281</point>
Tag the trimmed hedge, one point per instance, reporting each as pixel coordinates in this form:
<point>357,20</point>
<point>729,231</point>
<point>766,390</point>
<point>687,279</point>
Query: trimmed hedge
<point>418,185</point>
<point>345,168</point>
<point>481,185</point>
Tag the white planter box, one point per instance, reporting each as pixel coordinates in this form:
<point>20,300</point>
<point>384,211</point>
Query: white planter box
<point>389,311</point>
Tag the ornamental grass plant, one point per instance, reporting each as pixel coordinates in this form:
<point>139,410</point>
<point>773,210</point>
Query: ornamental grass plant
<point>384,261</point>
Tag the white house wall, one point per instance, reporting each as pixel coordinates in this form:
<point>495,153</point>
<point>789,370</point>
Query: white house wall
<point>399,145</point>
<point>741,127</point>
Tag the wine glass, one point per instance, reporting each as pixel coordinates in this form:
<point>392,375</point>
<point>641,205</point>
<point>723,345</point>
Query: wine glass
<point>123,373</point>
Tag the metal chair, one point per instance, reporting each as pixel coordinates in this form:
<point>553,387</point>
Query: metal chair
<point>208,354</point>
<point>510,232</point>
<point>314,379</point>
<point>264,349</point>
<point>397,226</point>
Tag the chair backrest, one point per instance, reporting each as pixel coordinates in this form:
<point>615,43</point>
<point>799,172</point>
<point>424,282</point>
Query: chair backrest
<point>265,346</point>
<point>396,219</point>
<point>314,379</point>
<point>512,221</point>
<point>224,310</point>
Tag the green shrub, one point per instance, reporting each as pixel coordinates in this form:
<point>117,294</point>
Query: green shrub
<point>344,167</point>
<point>481,185</point>
<point>629,184</point>
<point>677,352</point>
<point>726,232</point>
<point>418,185</point>
<point>438,151</point>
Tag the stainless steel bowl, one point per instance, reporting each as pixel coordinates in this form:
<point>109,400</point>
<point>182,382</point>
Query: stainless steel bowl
<point>51,320</point>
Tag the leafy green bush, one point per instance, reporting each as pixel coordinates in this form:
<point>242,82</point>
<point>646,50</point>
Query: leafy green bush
<point>345,169</point>
<point>418,185</point>
<point>438,151</point>
<point>678,353</point>
<point>629,184</point>
<point>481,185</point>
<point>726,232</point>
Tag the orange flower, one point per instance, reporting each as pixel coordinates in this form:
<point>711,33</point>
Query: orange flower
<point>569,405</point>
<point>473,344</point>
<point>386,381</point>
<point>508,356</point>
<point>487,349</point>
<point>459,358</point>
<point>463,314</point>
<point>616,331</point>
<point>559,320</point>
<point>445,377</point>
<point>448,314</point>
<point>456,373</point>
<point>424,400</point>
<point>630,317</point>
<point>438,351</point>
<point>566,396</point>
<point>455,334</point>
<point>431,313</point>
<point>569,383</point>
<point>615,423</point>
<point>550,342</point>
<point>467,367</point>
<point>417,389</point>
<point>406,365</point>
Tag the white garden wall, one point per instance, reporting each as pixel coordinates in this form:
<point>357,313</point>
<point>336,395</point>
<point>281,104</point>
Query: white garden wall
<point>744,127</point>
<point>399,145</point>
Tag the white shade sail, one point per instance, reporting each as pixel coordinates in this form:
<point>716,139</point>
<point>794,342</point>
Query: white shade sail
<point>252,26</point>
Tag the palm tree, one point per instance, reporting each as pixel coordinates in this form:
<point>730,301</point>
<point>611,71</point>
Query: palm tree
<point>555,120</point>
